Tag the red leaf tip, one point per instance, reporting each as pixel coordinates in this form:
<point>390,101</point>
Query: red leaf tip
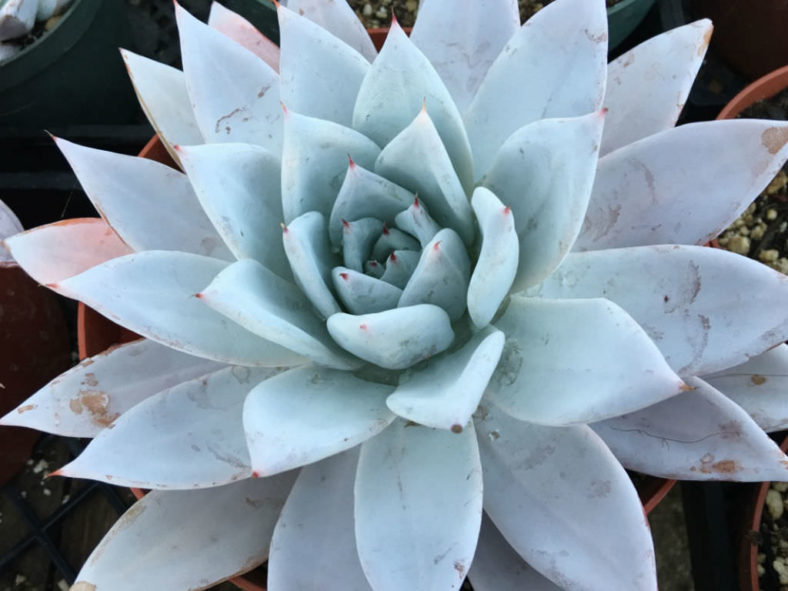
<point>507,210</point>
<point>344,276</point>
<point>393,258</point>
<point>437,245</point>
<point>284,228</point>
<point>255,474</point>
<point>456,428</point>
<point>416,201</point>
<point>362,326</point>
<point>199,296</point>
<point>350,162</point>
<point>385,230</point>
<point>345,224</point>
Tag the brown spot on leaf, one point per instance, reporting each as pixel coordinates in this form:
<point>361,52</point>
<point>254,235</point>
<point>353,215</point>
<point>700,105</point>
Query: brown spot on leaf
<point>25,408</point>
<point>460,568</point>
<point>774,139</point>
<point>96,402</point>
<point>90,380</point>
<point>706,40</point>
<point>75,405</point>
<point>83,586</point>
<point>758,379</point>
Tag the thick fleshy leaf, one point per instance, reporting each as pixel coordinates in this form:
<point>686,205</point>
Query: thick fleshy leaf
<point>497,567</point>
<point>9,225</point>
<point>648,85</point>
<point>545,172</point>
<point>363,294</point>
<point>417,222</point>
<point>189,436</point>
<point>698,435</point>
<point>238,187</point>
<point>399,267</point>
<point>684,185</point>
<point>275,309</point>
<point>307,249</point>
<point>365,194</point>
<point>358,238</point>
<point>417,160</point>
<point>394,339</point>
<point>310,413</point>
<point>338,19</point>
<point>576,361</point>
<point>445,392</point>
<point>400,82</point>
<point>161,90</point>
<point>497,263</point>
<point>390,240</point>
<point>539,479</point>
<point>315,160</point>
<point>234,93</point>
<point>62,249</point>
<point>150,205</point>
<point>86,399</point>
<point>688,299</point>
<point>405,539</point>
<point>313,61</point>
<point>461,40</point>
<point>152,293</point>
<point>314,529</point>
<point>522,85</point>
<point>759,386</point>
<point>442,275</point>
<point>167,528</point>
<point>244,33</point>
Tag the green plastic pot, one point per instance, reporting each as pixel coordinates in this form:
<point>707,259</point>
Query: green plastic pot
<point>73,74</point>
<point>624,17</point>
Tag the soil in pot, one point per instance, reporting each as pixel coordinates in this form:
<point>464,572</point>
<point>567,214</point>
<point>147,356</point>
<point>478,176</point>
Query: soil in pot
<point>761,232</point>
<point>377,13</point>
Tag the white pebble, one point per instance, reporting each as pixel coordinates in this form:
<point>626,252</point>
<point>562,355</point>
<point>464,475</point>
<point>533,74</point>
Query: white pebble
<point>774,503</point>
<point>769,256</point>
<point>367,10</point>
<point>40,466</point>
<point>771,214</point>
<point>780,486</point>
<point>739,244</point>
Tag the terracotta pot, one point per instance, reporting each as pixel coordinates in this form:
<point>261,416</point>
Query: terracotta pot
<point>763,88</point>
<point>749,34</point>
<point>754,504</point>
<point>34,348</point>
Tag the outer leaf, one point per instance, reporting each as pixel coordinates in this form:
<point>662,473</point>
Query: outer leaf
<point>394,339</point>
<point>496,566</point>
<point>363,294</point>
<point>570,83</point>
<point>152,293</point>
<point>267,305</point>
<point>545,172</point>
<point>86,399</point>
<point>699,435</point>
<point>539,479</point>
<point>401,81</point>
<point>577,361</point>
<point>366,194</point>
<point>310,413</point>
<point>9,225</point>
<point>497,263</point>
<point>406,541</point>
<point>441,277</point>
<point>307,249</point>
<point>445,392</point>
<point>648,85</point>
<point>313,529</point>
<point>759,386</point>
<point>189,436</point>
<point>641,191</point>
<point>234,93</point>
<point>688,299</point>
<point>338,19</point>
<point>238,187</point>
<point>180,527</point>
<point>56,251</point>
<point>461,40</point>
<point>150,205</point>
<point>315,160</point>
<point>313,60</point>
<point>161,90</point>
<point>417,160</point>
<point>244,33</point>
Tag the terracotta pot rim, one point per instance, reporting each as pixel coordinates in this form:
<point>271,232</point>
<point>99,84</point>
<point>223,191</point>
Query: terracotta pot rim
<point>765,87</point>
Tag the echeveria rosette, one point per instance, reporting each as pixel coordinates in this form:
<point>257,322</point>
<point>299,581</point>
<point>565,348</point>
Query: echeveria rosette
<point>489,275</point>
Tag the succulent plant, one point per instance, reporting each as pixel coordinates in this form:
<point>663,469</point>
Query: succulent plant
<point>488,296</point>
